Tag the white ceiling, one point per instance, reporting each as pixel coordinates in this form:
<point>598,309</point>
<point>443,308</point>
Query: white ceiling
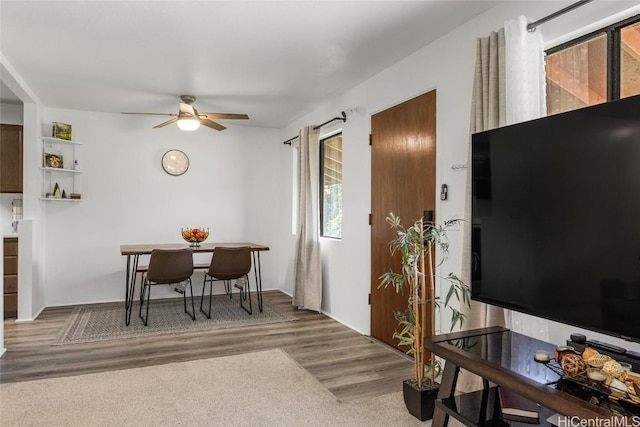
<point>274,60</point>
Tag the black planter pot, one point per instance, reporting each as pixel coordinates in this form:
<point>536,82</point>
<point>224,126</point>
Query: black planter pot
<point>420,402</point>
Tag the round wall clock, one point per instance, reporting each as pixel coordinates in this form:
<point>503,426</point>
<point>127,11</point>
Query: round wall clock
<point>175,162</point>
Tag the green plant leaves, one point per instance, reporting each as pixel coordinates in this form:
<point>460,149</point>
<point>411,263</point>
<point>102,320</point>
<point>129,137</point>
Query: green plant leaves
<point>414,245</point>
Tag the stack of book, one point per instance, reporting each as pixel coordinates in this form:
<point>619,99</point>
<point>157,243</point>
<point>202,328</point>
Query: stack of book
<point>517,408</point>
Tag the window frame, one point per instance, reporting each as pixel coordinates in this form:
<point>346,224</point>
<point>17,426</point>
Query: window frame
<point>614,41</point>
<point>324,138</point>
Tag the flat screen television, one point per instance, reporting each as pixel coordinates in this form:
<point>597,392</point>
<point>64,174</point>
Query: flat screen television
<point>556,217</point>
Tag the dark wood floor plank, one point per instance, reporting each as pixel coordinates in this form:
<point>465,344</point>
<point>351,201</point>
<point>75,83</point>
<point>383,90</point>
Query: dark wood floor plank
<point>349,364</point>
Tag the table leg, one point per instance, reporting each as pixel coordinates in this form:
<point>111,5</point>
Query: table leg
<point>126,291</point>
<point>258,275</point>
<point>447,389</point>
<point>130,286</point>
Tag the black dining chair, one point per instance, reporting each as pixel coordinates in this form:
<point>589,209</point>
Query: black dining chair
<point>227,264</point>
<point>168,267</point>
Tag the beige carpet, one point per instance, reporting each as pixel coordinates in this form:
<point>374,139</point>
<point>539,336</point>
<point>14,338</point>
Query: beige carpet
<point>257,389</point>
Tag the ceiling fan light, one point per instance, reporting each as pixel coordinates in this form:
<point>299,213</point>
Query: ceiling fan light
<point>188,123</point>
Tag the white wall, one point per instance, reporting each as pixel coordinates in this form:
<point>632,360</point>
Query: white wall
<point>447,66</point>
<point>11,114</point>
<point>127,198</point>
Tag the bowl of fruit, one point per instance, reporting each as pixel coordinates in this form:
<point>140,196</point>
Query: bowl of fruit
<point>195,236</point>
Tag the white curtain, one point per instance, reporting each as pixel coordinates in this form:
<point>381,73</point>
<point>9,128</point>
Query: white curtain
<point>524,72</point>
<point>509,87</point>
<point>525,100</point>
<point>488,111</point>
<point>307,292</point>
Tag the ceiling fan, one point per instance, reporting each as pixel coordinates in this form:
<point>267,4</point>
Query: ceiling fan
<point>188,118</point>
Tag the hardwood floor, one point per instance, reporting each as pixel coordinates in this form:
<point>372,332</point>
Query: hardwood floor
<point>349,364</point>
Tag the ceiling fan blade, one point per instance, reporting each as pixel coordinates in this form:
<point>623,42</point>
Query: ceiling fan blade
<point>211,124</point>
<point>163,124</point>
<point>154,114</point>
<point>212,116</point>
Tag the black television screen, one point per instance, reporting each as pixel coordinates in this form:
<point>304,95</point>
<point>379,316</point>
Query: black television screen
<point>556,217</point>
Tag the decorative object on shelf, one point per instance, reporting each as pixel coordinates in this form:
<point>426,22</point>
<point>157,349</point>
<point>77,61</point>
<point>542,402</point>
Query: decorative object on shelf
<point>560,352</point>
<point>61,131</point>
<point>56,192</point>
<point>52,160</point>
<point>596,374</point>
<point>76,166</point>
<point>175,162</point>
<point>541,356</point>
<point>610,380</point>
<point>195,236</point>
<point>64,194</point>
<point>75,196</point>
<point>416,246</point>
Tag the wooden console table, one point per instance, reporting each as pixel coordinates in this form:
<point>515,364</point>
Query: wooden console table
<point>505,359</point>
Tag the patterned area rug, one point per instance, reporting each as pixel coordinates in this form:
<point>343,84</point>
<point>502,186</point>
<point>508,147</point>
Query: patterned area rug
<point>106,321</point>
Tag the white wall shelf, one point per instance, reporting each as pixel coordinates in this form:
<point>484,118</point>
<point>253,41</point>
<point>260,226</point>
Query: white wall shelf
<point>59,141</point>
<point>67,178</point>
<point>60,170</point>
<point>53,199</point>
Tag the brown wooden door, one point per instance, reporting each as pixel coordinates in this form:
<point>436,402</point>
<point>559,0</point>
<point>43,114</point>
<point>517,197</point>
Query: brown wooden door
<point>403,162</point>
<point>10,159</point>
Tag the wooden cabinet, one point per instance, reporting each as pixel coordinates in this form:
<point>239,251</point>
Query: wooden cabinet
<point>10,159</point>
<point>10,277</point>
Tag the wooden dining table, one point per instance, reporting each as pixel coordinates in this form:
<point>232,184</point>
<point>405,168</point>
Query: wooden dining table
<point>133,253</point>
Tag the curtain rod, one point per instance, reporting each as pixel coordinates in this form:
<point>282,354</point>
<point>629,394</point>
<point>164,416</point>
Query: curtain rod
<point>343,118</point>
<point>532,26</point>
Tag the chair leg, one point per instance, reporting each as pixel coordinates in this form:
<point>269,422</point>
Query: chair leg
<point>210,297</point>
<point>143,289</point>
<point>245,292</point>
<point>228,288</point>
<point>142,281</point>
<point>184,298</point>
<point>146,318</point>
<point>204,285</point>
<point>193,308</point>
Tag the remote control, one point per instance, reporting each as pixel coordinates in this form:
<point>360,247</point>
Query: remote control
<point>633,354</point>
<point>606,346</point>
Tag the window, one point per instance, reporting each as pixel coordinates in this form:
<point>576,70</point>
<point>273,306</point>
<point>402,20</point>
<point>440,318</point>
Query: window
<point>630,60</point>
<point>599,67</point>
<point>331,186</point>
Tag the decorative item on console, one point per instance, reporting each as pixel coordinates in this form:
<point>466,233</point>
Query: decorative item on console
<point>598,372</point>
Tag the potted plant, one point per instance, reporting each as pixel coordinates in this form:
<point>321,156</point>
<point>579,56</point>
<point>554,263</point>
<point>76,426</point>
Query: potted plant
<point>417,246</point>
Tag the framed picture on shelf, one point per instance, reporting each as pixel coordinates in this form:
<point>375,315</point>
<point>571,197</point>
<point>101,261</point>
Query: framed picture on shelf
<point>53,161</point>
<point>61,131</point>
